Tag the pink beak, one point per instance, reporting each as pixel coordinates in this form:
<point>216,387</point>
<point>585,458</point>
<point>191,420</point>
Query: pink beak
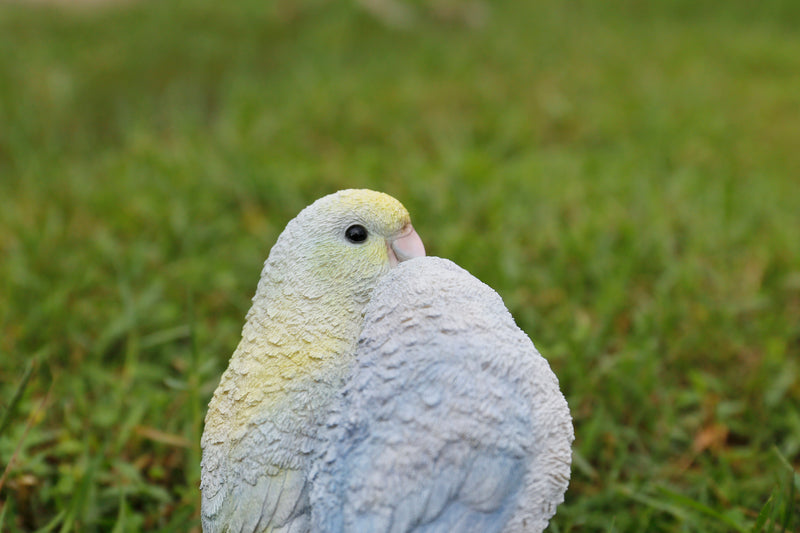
<point>405,246</point>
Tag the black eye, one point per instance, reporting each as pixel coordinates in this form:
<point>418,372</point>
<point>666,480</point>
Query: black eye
<point>356,233</point>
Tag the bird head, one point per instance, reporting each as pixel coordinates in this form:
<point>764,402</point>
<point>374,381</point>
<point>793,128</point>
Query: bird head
<point>342,243</point>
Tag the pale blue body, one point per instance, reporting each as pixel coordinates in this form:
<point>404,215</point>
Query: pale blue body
<point>451,420</point>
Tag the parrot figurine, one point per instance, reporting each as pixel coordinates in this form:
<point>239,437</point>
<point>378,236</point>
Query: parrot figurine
<point>297,347</point>
<point>376,390</point>
<point>450,421</point>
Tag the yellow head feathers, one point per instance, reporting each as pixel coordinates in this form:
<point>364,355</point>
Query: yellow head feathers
<point>342,242</point>
<point>386,213</point>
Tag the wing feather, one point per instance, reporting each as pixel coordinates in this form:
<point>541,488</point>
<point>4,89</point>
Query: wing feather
<point>243,493</point>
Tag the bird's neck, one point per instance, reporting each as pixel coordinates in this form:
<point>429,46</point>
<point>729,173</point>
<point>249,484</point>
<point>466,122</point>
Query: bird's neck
<point>296,349</point>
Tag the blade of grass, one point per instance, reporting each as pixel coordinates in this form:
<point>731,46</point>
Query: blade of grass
<point>53,523</point>
<point>794,485</point>
<point>787,464</point>
<point>764,515</point>
<point>789,515</point>
<point>28,425</point>
<point>689,503</point>
<point>195,402</point>
<point>18,392</point>
<point>3,516</point>
<point>81,494</point>
<point>119,527</point>
<point>654,503</point>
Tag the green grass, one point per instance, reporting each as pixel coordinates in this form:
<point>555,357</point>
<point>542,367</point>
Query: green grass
<point>626,174</point>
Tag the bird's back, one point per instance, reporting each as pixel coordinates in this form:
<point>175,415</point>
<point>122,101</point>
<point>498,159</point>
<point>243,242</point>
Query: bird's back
<point>452,421</point>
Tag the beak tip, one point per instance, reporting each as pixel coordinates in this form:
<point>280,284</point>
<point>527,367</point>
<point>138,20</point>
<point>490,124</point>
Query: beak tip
<point>406,247</point>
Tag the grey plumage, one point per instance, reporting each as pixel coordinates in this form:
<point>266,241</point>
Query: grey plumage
<point>450,421</point>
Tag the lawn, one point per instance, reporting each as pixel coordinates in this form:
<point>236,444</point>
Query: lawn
<point>625,174</point>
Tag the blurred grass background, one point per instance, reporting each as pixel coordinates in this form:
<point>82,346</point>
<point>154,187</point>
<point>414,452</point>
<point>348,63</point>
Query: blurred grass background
<point>626,174</point>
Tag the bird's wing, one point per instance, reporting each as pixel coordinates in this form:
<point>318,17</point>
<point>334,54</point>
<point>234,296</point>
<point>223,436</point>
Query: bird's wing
<point>451,420</point>
<point>243,493</point>
<point>436,445</point>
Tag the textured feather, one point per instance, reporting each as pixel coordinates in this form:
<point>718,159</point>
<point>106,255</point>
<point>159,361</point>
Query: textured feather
<point>296,349</point>
<point>451,420</point>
